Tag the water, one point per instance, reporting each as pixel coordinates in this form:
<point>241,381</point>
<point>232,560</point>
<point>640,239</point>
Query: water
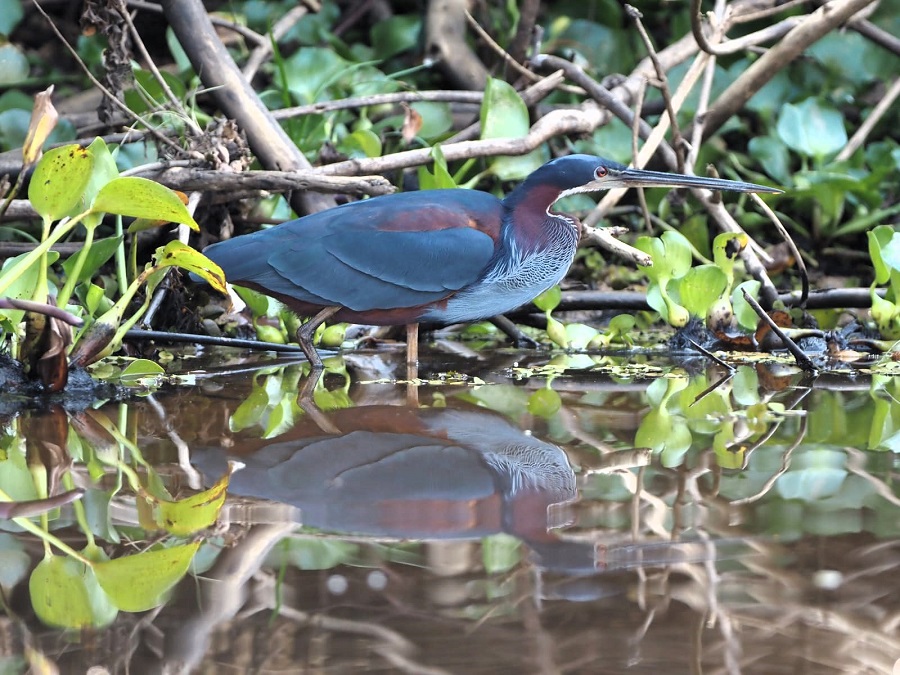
<point>574,515</point>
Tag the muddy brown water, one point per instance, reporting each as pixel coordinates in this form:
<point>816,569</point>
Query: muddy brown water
<point>535,515</point>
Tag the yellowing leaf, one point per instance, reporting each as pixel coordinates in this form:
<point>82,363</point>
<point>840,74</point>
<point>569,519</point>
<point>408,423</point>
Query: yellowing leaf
<point>195,513</point>
<point>142,198</point>
<point>176,254</point>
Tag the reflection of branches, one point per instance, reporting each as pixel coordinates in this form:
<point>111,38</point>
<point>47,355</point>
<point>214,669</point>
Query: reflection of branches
<point>855,462</point>
<point>785,460</point>
<point>389,644</point>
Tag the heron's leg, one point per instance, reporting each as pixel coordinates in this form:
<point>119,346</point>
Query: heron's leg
<point>412,365</point>
<point>307,333</point>
<point>412,343</point>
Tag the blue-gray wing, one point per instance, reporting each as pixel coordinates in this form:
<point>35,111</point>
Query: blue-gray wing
<point>397,251</point>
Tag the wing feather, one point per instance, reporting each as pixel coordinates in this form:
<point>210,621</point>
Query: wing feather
<point>403,250</point>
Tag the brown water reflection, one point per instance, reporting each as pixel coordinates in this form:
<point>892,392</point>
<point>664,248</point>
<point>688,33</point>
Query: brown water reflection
<point>510,526</point>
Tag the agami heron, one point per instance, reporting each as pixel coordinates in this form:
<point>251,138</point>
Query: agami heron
<point>433,256</point>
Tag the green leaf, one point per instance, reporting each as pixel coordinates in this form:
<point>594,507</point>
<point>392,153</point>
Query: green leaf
<point>312,554</point>
<point>700,288</point>
<point>10,15</point>
<point>58,184</point>
<point>812,128</point>
<point>746,316</point>
<point>773,156</point>
<point>890,252</point>
<point>13,65</point>
<point>360,144</point>
<point>878,240</point>
<point>544,403</point>
<point>141,368</point>
<point>100,251</point>
<point>333,336</point>
<point>396,34</point>
<point>439,177</point>
<point>142,198</point>
<point>557,332</point>
<point>176,254</point>
<point>250,411</point>
<point>579,335</point>
<point>500,553</point>
<point>65,594</point>
<point>437,118</point>
<point>104,169</point>
<point>309,71</point>
<point>548,300</point>
<point>726,247</point>
<point>504,115</point>
<point>138,582</point>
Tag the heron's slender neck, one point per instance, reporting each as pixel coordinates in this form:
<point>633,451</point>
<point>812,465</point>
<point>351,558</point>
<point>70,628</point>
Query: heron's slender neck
<point>529,220</point>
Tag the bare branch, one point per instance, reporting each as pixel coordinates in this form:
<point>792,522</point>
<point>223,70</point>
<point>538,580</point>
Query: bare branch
<point>218,71</point>
<point>812,28</point>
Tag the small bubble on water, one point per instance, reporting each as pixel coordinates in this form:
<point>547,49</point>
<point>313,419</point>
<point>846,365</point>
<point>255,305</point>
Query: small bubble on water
<point>337,584</point>
<point>377,580</point>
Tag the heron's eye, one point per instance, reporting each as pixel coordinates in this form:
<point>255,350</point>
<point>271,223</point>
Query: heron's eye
<point>600,172</point>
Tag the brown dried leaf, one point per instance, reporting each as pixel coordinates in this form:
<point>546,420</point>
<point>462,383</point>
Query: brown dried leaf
<point>43,120</point>
<point>412,124</point>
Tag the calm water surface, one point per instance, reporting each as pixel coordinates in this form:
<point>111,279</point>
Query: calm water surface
<point>579,515</point>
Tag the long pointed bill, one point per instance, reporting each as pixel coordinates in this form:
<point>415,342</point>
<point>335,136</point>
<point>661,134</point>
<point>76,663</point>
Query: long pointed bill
<point>629,178</point>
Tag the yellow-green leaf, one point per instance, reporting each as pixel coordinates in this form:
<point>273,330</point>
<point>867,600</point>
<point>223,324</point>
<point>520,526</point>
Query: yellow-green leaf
<point>142,198</point>
<point>195,513</point>
<point>58,183</point>
<point>136,583</point>
<point>176,254</point>
<point>65,594</point>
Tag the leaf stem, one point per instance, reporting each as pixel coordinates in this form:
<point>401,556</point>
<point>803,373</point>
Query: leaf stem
<point>9,277</point>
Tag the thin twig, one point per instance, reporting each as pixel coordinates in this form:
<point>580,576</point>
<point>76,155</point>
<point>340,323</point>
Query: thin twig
<point>279,30</point>
<point>120,7</point>
<point>502,53</point>
<point>602,237</point>
<point>702,106</point>
<point>812,28</point>
<point>785,464</point>
<point>106,92</point>
<point>41,308</point>
<point>799,355</point>
<point>859,138</point>
<point>697,30</point>
<point>677,140</point>
<point>604,97</point>
<point>656,139</point>
<point>638,105</point>
<point>801,265</point>
<point>708,354</point>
